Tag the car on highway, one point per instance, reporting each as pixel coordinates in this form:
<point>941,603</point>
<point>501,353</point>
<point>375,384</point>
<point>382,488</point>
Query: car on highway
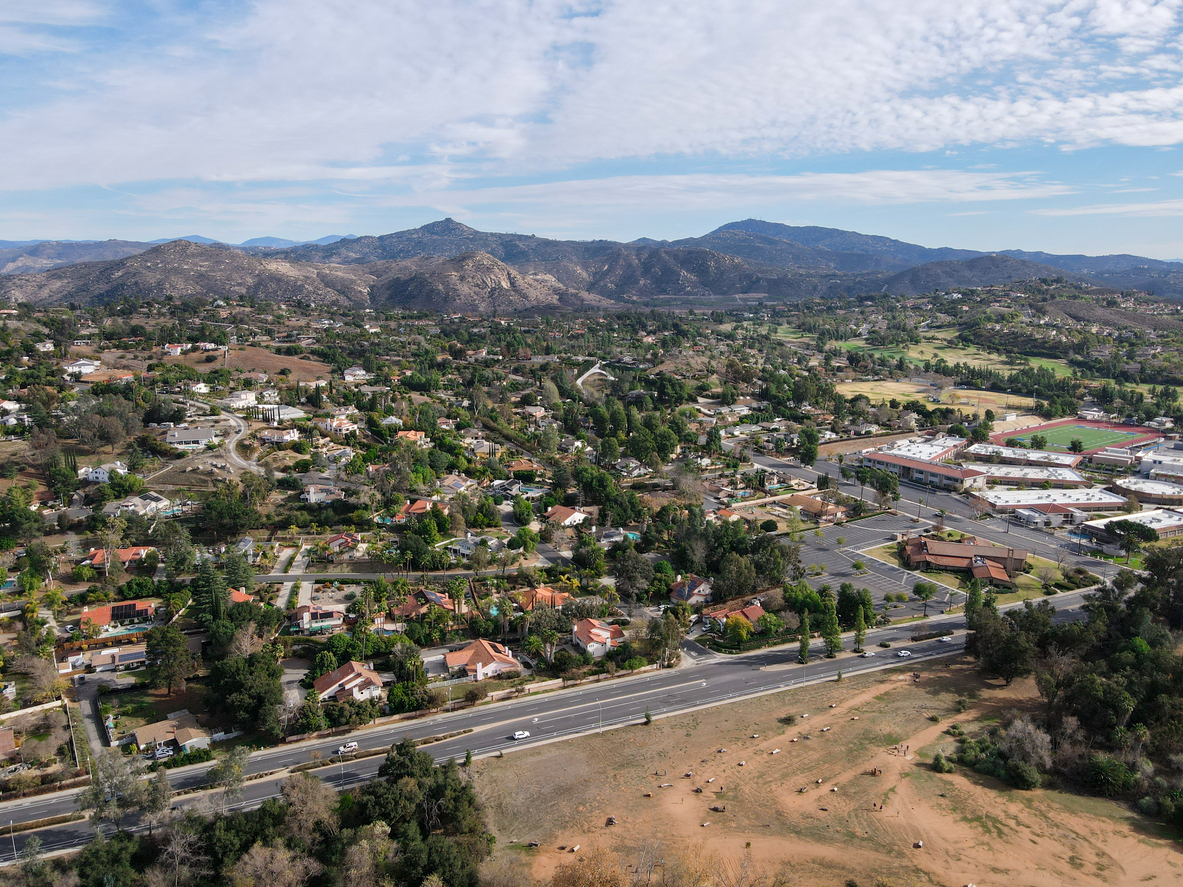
<point>945,640</point>
<point>521,734</point>
<point>904,654</point>
<point>866,654</point>
<point>348,748</point>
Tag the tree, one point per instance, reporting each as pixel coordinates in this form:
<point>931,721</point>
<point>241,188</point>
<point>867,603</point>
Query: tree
<point>157,802</point>
<point>169,659</point>
<point>272,865</point>
<point>808,439</point>
<point>1131,535</point>
<point>737,577</point>
<point>803,640</point>
<point>831,633</point>
<point>1038,442</point>
<point>111,534</point>
<point>229,774</point>
<point>738,629</point>
<point>973,601</point>
<point>860,630</point>
<point>115,787</point>
<point>926,591</point>
<point>634,574</point>
<point>523,511</point>
<point>311,809</point>
<point>1076,445</point>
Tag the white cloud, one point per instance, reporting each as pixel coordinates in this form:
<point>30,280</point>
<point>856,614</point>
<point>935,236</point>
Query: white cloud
<point>1147,210</point>
<point>429,96</point>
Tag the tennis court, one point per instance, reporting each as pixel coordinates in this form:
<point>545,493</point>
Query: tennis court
<point>1060,437</point>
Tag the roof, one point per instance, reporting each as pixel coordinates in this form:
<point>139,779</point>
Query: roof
<point>750,612</point>
<point>105,614</point>
<point>239,596</point>
<point>563,513</point>
<point>1080,498</point>
<point>1160,519</point>
<point>922,465</point>
<point>686,588</point>
<point>480,654</point>
<point>924,449</point>
<point>351,676</point>
<point>596,631</point>
<point>170,729</point>
<point>984,569</point>
<point>543,596</point>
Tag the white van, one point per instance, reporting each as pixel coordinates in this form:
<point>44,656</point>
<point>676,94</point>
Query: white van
<point>347,749</point>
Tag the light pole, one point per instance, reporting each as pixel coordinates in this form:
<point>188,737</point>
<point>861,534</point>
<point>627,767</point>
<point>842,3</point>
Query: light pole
<point>600,706</point>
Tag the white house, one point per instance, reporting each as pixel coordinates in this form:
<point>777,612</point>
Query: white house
<point>351,681</point>
<point>316,493</point>
<point>190,438</point>
<point>482,659</point>
<point>239,400</point>
<point>101,474</point>
<point>176,350</point>
<point>337,425</point>
<point>44,347</point>
<point>356,374</point>
<point>566,517</point>
<point>279,436</point>
<point>596,637</point>
<point>83,367</point>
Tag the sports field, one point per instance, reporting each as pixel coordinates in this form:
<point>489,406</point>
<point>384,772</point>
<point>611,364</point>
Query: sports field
<point>1093,435</point>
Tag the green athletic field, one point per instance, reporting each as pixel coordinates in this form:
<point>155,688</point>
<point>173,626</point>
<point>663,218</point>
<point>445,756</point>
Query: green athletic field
<point>1061,437</point>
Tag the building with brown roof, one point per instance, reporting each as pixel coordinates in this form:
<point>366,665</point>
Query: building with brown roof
<point>482,659</point>
<point>596,637</point>
<point>351,681</point>
<point>989,563</point>
<point>182,729</point>
<point>543,596</point>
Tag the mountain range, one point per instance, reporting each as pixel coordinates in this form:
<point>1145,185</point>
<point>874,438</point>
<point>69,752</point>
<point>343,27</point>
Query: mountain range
<point>448,266</point>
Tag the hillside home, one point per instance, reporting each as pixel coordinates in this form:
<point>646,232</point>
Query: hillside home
<point>596,637</point>
<point>351,681</point>
<point>692,590</point>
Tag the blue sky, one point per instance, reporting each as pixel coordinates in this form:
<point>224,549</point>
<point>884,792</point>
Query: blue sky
<point>986,124</point>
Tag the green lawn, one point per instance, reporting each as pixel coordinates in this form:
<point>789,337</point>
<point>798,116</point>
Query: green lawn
<point>1061,438</point>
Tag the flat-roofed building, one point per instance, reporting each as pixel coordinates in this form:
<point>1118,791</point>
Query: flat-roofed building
<point>926,449</point>
<point>1149,491</point>
<point>1085,500</point>
<point>1167,522</point>
<point>1022,456</point>
<point>918,471</point>
<point>1030,475</point>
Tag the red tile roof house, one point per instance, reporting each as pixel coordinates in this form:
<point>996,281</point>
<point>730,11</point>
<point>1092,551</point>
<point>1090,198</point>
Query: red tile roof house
<point>596,637</point>
<point>351,681</point>
<point>566,517</point>
<point>98,556</point>
<point>239,596</point>
<point>543,596</point>
<point>718,617</point>
<point>693,590</point>
<point>482,659</point>
<point>111,614</point>
<point>343,542</point>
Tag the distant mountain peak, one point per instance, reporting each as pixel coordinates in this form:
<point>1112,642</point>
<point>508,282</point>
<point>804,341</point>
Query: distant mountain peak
<point>448,227</point>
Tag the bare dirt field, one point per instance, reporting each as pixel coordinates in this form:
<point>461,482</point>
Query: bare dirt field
<point>780,806</point>
<point>967,400</point>
<point>252,359</point>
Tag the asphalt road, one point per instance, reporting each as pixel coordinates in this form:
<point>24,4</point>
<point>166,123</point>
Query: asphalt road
<point>705,679</point>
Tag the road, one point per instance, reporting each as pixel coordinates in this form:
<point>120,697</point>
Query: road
<point>705,679</point>
<point>230,447</point>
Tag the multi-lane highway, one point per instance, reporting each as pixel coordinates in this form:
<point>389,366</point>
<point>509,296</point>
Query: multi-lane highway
<point>706,679</point>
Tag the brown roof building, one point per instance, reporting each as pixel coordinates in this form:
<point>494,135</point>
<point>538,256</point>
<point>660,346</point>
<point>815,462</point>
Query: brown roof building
<point>988,563</point>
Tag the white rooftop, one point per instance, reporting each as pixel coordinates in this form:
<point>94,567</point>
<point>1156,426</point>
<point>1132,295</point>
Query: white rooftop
<point>1160,519</point>
<point>924,449</point>
<point>1150,487</point>
<point>1036,473</point>
<point>984,450</point>
<point>1083,499</point>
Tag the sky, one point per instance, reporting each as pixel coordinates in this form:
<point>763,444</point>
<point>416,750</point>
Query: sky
<point>983,124</point>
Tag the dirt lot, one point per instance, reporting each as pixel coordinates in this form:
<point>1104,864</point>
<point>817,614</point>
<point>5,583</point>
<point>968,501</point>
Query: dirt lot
<point>252,359</point>
<point>973,828</point>
<point>963,398</point>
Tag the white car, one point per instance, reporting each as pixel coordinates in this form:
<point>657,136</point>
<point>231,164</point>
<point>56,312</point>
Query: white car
<point>904,654</point>
<point>945,640</point>
<point>347,748</point>
<point>521,734</point>
<point>866,654</point>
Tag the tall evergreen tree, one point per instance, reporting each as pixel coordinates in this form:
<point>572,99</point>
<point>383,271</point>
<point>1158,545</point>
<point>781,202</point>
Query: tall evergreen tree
<point>831,633</point>
<point>803,640</point>
<point>860,630</point>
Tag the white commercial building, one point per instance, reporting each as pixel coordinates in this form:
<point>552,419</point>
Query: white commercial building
<point>1152,492</point>
<point>1021,456</point>
<point>1084,500</point>
<point>925,449</point>
<point>1166,522</point>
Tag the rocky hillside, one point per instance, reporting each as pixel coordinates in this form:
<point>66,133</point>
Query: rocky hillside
<point>35,257</point>
<point>983,271</point>
<point>180,269</point>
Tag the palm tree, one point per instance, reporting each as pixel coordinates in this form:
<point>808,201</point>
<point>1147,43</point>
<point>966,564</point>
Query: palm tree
<point>54,601</point>
<point>532,646</point>
<point>550,642</point>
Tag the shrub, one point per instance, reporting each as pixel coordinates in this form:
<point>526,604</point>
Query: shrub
<point>941,764</point>
<point>884,644</point>
<point>1147,806</point>
<point>1107,777</point>
<point>1022,775</point>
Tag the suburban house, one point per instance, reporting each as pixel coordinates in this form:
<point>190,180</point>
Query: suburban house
<point>596,637</point>
<point>279,436</point>
<point>97,557</point>
<point>456,485</point>
<point>543,596</point>
<point>119,658</point>
<point>101,474</point>
<point>342,542</point>
<point>692,590</point>
<point>317,620</point>
<point>83,367</point>
<point>176,350</point>
<point>337,425</point>
<point>418,438</point>
<point>566,517</point>
<point>482,659</point>
<point>239,400</point>
<point>816,508</point>
<point>420,507</point>
<point>351,681</point>
<point>240,596</point>
<point>717,618</point>
<point>356,374</point>
<point>316,493</point>
<point>992,564</point>
<point>421,600</point>
<point>117,614</point>
<point>144,504</point>
<point>182,730</point>
<point>190,438</point>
